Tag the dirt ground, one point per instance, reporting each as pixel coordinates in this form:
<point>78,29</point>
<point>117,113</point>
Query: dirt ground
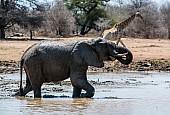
<point>142,49</point>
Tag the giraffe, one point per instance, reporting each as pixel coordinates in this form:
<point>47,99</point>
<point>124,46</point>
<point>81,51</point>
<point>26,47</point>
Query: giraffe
<point>116,31</point>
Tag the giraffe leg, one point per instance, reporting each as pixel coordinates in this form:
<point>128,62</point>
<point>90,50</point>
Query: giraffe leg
<point>118,40</point>
<point>122,43</point>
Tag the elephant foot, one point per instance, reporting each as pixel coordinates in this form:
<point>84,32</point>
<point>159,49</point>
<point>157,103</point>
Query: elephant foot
<point>86,95</point>
<point>19,93</point>
<point>83,95</point>
<point>75,96</point>
<point>37,93</point>
<point>76,92</point>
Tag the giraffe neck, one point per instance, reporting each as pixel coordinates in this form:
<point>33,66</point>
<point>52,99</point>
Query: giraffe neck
<point>122,25</point>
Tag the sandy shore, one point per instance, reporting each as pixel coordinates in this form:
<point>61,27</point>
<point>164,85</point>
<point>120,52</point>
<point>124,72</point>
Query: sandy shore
<point>145,51</point>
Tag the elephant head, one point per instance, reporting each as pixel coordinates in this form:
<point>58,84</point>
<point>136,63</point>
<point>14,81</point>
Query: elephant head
<point>94,52</point>
<point>111,51</point>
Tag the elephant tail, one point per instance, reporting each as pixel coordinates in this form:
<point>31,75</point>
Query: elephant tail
<point>21,64</point>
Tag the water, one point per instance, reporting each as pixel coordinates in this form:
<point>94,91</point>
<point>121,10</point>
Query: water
<point>122,93</point>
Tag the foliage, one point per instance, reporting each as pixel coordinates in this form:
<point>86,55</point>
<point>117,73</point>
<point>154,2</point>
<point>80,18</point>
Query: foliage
<point>59,21</point>
<point>80,16</point>
<point>11,12</point>
<point>113,21</point>
<point>138,4</point>
<point>165,11</point>
<point>86,12</point>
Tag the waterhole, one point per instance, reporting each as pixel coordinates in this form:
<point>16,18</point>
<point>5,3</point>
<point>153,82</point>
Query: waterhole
<point>119,93</point>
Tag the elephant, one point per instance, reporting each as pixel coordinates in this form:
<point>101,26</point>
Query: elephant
<point>53,61</point>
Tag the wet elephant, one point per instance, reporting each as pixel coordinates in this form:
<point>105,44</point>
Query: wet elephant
<point>51,61</point>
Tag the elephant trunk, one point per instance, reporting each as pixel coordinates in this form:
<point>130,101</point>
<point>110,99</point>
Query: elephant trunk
<point>123,55</point>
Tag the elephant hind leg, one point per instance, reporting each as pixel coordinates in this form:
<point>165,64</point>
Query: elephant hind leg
<point>36,86</point>
<point>35,75</point>
<point>37,93</point>
<point>26,89</point>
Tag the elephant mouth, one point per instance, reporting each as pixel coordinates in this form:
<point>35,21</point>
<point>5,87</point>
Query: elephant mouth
<point>122,56</point>
<point>125,58</point>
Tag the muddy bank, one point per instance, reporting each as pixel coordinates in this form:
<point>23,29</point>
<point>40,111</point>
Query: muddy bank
<point>149,55</point>
<point>9,66</point>
<point>146,65</point>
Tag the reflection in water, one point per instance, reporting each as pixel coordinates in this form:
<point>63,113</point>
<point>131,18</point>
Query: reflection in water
<point>67,106</point>
<point>54,106</point>
<point>80,104</point>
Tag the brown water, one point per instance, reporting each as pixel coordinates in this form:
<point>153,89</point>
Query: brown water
<point>127,93</point>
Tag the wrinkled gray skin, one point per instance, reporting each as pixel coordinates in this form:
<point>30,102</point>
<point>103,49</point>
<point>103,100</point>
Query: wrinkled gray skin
<point>50,61</point>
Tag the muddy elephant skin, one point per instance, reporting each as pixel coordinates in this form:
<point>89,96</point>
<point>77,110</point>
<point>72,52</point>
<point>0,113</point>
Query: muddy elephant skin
<point>51,61</point>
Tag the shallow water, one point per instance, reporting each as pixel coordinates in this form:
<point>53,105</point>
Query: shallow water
<point>121,93</point>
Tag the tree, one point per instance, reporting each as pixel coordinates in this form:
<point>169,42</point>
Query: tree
<point>33,20</point>
<point>86,12</point>
<point>165,11</point>
<point>60,20</point>
<point>138,4</point>
<point>11,11</point>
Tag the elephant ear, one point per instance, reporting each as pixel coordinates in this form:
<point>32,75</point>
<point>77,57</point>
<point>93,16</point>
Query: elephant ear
<point>84,54</point>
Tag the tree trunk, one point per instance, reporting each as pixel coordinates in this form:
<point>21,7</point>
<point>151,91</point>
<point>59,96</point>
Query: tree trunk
<point>168,33</point>
<point>31,35</point>
<point>84,30</point>
<point>2,33</point>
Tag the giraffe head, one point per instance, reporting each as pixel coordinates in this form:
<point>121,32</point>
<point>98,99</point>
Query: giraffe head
<point>138,15</point>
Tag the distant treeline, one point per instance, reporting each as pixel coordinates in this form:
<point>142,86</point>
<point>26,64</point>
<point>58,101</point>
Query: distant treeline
<point>82,17</point>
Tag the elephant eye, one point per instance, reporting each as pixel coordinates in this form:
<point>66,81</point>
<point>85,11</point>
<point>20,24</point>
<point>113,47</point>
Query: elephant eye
<point>103,44</point>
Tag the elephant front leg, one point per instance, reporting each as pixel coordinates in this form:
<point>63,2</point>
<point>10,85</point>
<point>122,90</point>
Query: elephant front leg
<point>79,81</point>
<point>79,84</point>
<point>89,91</point>
<point>76,92</point>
